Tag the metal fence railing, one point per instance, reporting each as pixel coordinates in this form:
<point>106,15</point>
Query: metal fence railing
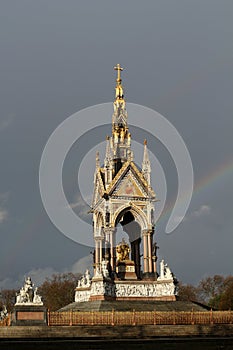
<point>6,321</point>
<point>138,318</point>
<point>133,318</point>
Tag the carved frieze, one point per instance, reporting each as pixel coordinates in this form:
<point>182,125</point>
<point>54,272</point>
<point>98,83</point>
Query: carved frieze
<point>127,290</point>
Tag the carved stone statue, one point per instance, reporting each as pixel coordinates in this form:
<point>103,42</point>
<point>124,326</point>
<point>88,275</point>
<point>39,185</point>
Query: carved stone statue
<point>105,271</point>
<point>85,280</point>
<point>27,294</point>
<point>162,269</point>
<point>88,278</point>
<point>165,272</point>
<point>28,287</point>
<point>168,273</point>
<point>36,298</point>
<point>98,272</point>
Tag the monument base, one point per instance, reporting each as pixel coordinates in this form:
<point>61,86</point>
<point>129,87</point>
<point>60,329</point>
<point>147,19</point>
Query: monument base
<point>29,315</point>
<point>125,270</point>
<point>123,284</point>
<point>127,290</point>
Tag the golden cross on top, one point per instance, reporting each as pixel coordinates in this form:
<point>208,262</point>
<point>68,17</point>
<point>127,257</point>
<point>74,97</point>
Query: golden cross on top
<point>119,69</point>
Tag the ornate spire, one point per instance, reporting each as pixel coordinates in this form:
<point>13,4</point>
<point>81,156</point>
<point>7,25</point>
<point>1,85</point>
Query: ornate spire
<point>119,119</point>
<point>146,168</point>
<point>120,141</point>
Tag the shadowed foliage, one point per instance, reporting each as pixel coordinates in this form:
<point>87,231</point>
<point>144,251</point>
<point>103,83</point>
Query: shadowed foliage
<point>58,290</point>
<point>215,291</point>
<point>8,299</point>
<point>188,292</point>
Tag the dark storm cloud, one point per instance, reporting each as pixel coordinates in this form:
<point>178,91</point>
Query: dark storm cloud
<point>57,57</point>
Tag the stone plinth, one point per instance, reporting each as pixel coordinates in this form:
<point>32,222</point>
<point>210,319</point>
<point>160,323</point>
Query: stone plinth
<point>123,284</point>
<point>82,294</point>
<point>128,290</point>
<point>126,270</point>
<point>29,315</point>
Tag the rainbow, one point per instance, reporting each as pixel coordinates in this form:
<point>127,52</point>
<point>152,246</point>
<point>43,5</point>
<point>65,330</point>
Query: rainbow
<point>222,171</point>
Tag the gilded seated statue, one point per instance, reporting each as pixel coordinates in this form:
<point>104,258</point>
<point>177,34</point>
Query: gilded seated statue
<point>122,251</point>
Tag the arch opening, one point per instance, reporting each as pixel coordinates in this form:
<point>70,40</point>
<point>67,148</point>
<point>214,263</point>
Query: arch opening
<point>132,230</point>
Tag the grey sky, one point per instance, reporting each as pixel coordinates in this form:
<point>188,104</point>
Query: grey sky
<point>57,57</point>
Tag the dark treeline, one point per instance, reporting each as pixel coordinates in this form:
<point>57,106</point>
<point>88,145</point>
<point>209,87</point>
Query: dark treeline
<point>215,291</point>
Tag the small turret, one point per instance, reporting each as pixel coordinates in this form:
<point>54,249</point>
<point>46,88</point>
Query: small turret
<point>146,168</point>
<point>97,160</point>
<point>108,166</point>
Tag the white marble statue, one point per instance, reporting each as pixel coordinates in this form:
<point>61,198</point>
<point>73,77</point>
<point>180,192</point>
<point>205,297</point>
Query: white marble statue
<point>168,272</point>
<point>85,280</point>
<point>98,272</point>
<point>28,295</point>
<point>104,265</point>
<point>36,298</point>
<point>162,269</point>
<point>88,278</point>
<point>165,272</point>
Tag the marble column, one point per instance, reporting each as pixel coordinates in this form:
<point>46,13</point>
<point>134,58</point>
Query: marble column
<point>145,251</point>
<point>100,251</point>
<point>96,254</point>
<point>112,249</point>
<point>150,265</point>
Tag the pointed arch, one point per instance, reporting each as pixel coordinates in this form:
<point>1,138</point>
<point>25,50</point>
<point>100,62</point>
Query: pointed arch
<point>98,223</point>
<point>137,213</point>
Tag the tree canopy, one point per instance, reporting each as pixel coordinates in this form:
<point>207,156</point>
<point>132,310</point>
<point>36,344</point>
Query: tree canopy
<point>215,291</point>
<point>8,299</point>
<point>58,290</point>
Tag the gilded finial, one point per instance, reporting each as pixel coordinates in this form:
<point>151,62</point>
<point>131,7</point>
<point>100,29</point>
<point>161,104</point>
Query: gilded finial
<point>145,142</point>
<point>119,87</point>
<point>119,69</point>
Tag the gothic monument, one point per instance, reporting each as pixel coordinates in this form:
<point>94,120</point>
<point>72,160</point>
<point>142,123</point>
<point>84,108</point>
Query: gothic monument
<point>123,195</point>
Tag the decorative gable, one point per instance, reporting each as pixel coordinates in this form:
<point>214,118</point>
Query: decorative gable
<point>130,182</point>
<point>128,186</point>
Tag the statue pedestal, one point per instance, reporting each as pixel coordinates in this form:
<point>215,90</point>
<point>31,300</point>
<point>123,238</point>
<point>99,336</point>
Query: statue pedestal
<point>82,294</point>
<point>126,270</point>
<point>29,309</point>
<point>29,315</point>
